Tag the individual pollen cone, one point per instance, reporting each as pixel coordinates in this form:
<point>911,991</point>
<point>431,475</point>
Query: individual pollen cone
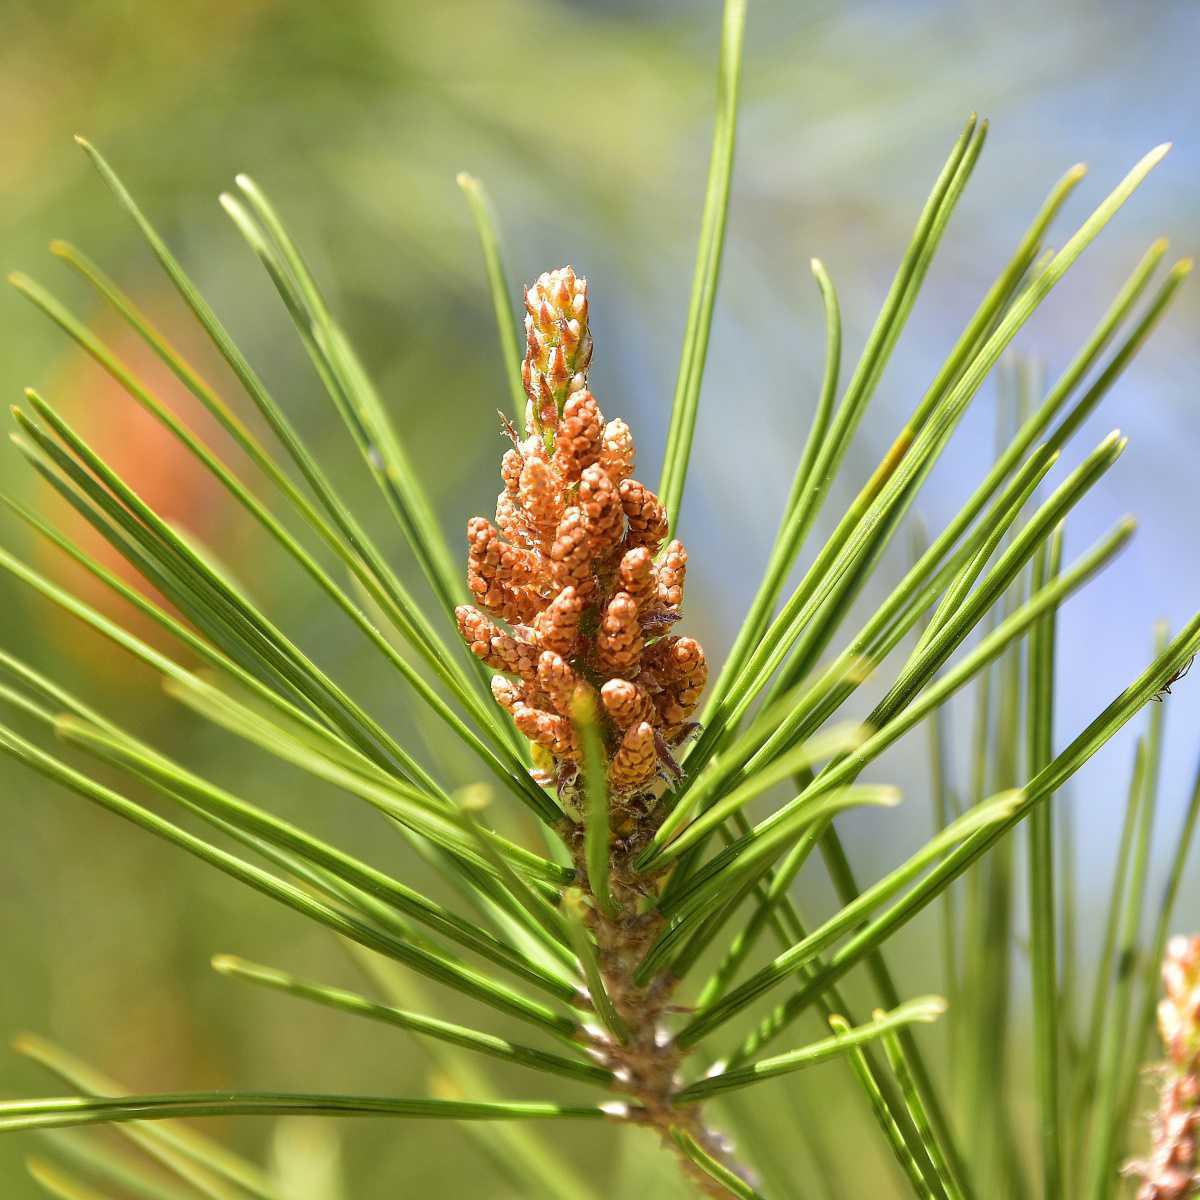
<point>1170,1172</point>
<point>540,493</point>
<point>636,760</point>
<point>626,704</point>
<point>679,670</point>
<point>551,730</point>
<point>603,518</point>
<point>509,603</point>
<point>498,559</point>
<point>619,642</point>
<point>506,693</point>
<point>569,568</point>
<point>499,650</point>
<point>577,443</point>
<point>556,627</point>
<point>646,516</point>
<point>571,558</point>
<point>617,451</point>
<point>671,573</point>
<point>510,519</point>
<point>638,577</point>
<point>557,680</point>
<point>510,470</point>
<point>476,630</point>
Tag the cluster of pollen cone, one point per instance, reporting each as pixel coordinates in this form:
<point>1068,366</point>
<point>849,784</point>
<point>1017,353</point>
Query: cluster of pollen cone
<point>1171,1171</point>
<point>575,593</point>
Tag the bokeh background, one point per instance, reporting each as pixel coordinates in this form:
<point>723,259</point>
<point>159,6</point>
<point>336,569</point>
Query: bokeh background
<point>589,123</point>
